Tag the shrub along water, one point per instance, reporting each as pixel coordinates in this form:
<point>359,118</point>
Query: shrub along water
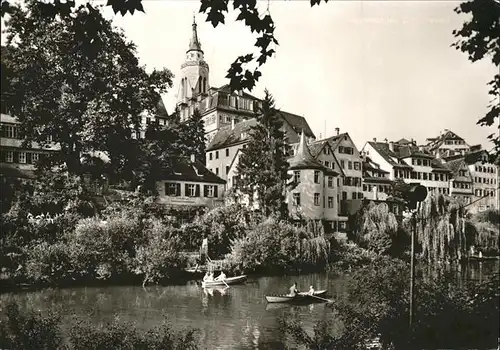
<point>30,330</point>
<point>447,315</point>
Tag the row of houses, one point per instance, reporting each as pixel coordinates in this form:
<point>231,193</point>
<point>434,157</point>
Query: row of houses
<point>333,177</point>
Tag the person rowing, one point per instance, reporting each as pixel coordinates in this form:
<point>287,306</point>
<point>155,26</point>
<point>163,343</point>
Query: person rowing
<point>221,277</point>
<point>293,290</point>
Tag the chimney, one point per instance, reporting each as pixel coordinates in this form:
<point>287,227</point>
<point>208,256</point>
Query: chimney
<point>337,131</point>
<point>374,139</point>
<point>391,146</point>
<point>232,123</point>
<point>385,140</point>
<point>193,158</point>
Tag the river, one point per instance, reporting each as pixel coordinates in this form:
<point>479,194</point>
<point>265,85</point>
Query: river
<point>236,319</point>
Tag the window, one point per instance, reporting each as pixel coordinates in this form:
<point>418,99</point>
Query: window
<point>330,181</point>
<point>172,189</point>
<point>357,166</point>
<point>349,165</point>
<point>330,202</point>
<point>210,191</point>
<point>342,164</point>
<point>344,195</point>
<point>217,171</point>
<point>296,176</point>
<point>35,157</point>
<point>327,164</point>
<point>210,156</point>
<point>316,176</point>
<point>354,195</point>
<point>9,157</point>
<point>216,154</point>
<point>192,190</point>
<point>360,195</point>
<point>9,131</point>
<point>227,152</point>
<point>316,199</point>
<point>22,157</point>
<point>227,169</point>
<point>296,199</point>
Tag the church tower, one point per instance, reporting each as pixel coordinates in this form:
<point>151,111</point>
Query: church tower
<point>194,73</point>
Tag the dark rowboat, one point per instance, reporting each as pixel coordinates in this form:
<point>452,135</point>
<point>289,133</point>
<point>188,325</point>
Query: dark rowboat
<point>299,298</point>
<point>227,281</point>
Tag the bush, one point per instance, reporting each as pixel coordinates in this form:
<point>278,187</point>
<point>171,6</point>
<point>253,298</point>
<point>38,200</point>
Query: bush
<point>47,262</point>
<point>31,330</point>
<point>277,245</point>
<point>102,249</point>
<point>125,336</point>
<point>159,256</point>
<point>446,315</point>
<point>221,226</point>
<point>376,310</point>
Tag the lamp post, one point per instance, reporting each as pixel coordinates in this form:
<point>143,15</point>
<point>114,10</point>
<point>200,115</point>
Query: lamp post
<point>414,195</point>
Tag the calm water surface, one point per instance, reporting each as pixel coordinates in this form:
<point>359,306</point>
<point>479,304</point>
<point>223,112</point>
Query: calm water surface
<point>235,319</point>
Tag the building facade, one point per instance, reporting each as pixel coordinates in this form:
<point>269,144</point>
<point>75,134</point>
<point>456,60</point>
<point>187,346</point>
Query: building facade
<point>16,159</point>
<point>410,163</point>
<point>190,183</point>
<point>219,107</point>
<point>376,181</point>
<point>315,191</point>
<point>229,140</point>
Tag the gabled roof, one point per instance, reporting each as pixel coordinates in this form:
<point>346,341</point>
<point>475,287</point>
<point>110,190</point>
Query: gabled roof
<point>455,166</point>
<point>303,159</point>
<point>334,141</point>
<point>436,142</point>
<point>160,108</point>
<point>475,157</point>
<point>226,136</point>
<point>299,124</point>
<point>389,156</point>
<point>186,170</point>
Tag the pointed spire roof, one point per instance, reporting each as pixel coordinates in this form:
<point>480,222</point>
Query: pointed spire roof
<point>194,44</point>
<point>303,158</point>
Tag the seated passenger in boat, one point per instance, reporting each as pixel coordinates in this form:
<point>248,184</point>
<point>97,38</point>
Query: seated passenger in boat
<point>293,290</point>
<point>209,277</point>
<point>221,277</point>
<point>311,290</point>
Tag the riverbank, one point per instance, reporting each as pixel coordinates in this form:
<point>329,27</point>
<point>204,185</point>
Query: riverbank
<point>239,318</point>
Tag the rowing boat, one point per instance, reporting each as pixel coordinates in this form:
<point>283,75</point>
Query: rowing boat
<point>299,297</point>
<point>226,281</point>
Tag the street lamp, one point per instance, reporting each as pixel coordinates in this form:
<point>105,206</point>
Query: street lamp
<point>415,194</point>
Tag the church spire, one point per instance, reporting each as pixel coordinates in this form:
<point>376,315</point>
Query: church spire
<point>194,44</point>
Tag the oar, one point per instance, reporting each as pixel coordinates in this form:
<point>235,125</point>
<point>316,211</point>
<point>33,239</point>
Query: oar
<point>327,300</point>
<point>225,283</point>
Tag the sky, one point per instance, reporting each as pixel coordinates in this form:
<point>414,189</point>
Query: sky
<point>373,69</point>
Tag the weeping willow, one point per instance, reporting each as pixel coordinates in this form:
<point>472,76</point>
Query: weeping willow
<point>378,228</point>
<point>312,247</point>
<point>441,229</point>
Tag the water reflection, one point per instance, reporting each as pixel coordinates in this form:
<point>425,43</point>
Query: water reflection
<point>227,318</point>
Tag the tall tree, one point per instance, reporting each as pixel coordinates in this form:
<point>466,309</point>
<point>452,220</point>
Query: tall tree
<point>479,38</point>
<point>85,97</point>
<point>441,229</point>
<point>263,166</point>
<point>193,136</point>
